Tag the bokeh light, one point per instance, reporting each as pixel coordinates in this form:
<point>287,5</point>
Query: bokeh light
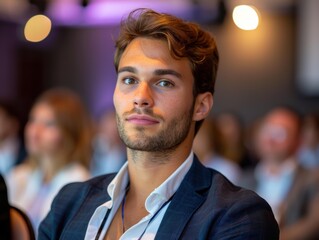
<point>245,17</point>
<point>37,28</point>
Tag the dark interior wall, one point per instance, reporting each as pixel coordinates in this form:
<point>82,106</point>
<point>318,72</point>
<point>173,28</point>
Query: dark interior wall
<point>21,69</point>
<point>82,59</point>
<point>8,59</point>
<point>257,67</point>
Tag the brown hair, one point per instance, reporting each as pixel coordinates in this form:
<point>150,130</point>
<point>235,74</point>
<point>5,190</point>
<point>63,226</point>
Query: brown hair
<point>74,122</point>
<point>184,39</point>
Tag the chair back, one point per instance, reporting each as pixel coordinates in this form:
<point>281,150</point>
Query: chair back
<point>21,227</point>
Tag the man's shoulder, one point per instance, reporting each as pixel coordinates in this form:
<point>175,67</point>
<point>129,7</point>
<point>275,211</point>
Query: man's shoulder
<point>221,192</point>
<point>215,208</point>
<point>99,182</point>
<point>76,190</point>
<point>229,192</point>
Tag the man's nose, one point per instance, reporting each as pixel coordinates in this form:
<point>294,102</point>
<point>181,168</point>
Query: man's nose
<point>143,97</point>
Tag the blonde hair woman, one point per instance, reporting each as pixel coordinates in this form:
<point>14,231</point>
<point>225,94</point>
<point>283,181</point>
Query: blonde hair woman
<point>58,140</point>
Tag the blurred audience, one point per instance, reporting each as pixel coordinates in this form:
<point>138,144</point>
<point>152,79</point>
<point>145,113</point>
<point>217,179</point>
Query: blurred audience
<point>232,130</point>
<point>291,190</point>
<point>58,142</point>
<point>308,154</point>
<point>208,147</point>
<point>12,150</point>
<point>109,153</point>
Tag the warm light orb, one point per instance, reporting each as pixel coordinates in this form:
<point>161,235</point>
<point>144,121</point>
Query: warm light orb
<point>245,17</point>
<point>37,28</point>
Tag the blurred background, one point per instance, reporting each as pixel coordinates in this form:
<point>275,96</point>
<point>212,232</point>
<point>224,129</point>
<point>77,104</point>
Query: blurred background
<point>275,64</point>
<point>269,59</point>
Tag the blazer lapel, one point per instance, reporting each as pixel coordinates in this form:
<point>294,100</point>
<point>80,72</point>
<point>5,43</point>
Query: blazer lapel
<point>90,200</point>
<point>188,198</point>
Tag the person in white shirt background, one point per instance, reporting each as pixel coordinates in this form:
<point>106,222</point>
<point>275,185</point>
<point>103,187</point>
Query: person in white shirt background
<point>108,150</point>
<point>291,190</point>
<point>58,138</point>
<point>208,146</point>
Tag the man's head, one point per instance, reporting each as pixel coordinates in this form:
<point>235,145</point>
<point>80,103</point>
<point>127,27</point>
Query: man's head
<point>184,40</point>
<point>278,137</point>
<point>166,72</point>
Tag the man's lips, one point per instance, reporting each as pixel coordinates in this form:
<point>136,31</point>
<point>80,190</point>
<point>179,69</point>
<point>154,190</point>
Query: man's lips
<point>141,119</point>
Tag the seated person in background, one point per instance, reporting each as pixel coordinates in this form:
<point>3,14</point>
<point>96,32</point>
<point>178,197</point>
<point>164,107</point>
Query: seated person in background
<point>308,154</point>
<point>291,190</point>
<point>58,142</point>
<point>233,137</point>
<point>5,228</point>
<point>166,73</point>
<point>208,147</point>
<point>108,149</point>
<point>12,151</point>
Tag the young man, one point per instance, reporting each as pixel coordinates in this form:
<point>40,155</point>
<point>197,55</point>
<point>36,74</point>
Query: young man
<point>166,73</point>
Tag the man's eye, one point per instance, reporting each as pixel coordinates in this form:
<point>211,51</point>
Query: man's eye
<point>129,81</point>
<point>165,83</point>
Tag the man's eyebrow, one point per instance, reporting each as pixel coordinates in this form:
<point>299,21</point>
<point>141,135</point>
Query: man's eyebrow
<point>157,72</point>
<point>160,72</point>
<point>127,69</point>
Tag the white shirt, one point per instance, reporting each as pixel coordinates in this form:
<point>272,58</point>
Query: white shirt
<point>153,203</point>
<point>274,188</point>
<point>309,158</point>
<point>27,191</point>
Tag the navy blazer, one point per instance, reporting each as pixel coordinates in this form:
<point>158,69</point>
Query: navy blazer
<point>205,206</point>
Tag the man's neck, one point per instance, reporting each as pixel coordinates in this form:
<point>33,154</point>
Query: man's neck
<point>148,170</point>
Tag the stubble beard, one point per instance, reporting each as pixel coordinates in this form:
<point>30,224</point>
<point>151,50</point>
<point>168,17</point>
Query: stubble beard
<point>165,141</point>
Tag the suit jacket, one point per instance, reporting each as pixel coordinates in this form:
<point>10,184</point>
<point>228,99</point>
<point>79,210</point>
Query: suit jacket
<point>205,206</point>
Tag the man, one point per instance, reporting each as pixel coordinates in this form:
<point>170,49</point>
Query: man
<point>166,73</point>
<point>291,190</point>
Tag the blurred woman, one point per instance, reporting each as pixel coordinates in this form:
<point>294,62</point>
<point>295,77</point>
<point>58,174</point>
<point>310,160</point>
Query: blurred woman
<point>233,135</point>
<point>208,146</point>
<point>57,138</point>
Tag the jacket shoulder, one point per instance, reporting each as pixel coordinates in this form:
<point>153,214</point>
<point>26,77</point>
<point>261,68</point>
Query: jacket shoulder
<point>240,211</point>
<point>73,200</point>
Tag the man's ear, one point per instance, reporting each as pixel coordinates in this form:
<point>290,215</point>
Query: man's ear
<point>203,105</point>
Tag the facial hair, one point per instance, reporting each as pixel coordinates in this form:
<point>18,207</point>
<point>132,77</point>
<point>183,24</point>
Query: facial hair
<point>166,140</point>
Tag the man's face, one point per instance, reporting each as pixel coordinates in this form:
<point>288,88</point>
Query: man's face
<point>153,97</point>
<point>278,138</point>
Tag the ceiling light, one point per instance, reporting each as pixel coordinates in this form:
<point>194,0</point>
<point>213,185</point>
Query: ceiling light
<point>245,17</point>
<point>37,28</point>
